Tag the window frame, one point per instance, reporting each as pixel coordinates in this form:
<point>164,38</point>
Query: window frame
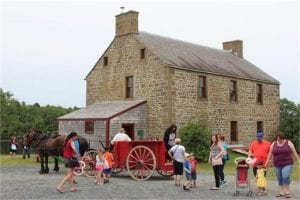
<point>202,91</point>
<point>129,90</point>
<point>260,126</point>
<point>105,61</point>
<point>233,91</point>
<point>259,93</point>
<point>89,126</point>
<point>142,53</point>
<point>234,131</point>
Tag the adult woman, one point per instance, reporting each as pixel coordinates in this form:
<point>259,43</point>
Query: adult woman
<point>216,153</point>
<point>281,152</point>
<point>69,154</point>
<point>177,153</point>
<point>169,136</point>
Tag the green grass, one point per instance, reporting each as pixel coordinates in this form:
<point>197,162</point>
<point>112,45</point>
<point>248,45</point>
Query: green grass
<point>230,168</point>
<point>6,160</point>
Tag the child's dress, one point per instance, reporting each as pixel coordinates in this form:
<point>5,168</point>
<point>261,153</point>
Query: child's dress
<point>99,164</point>
<point>261,179</point>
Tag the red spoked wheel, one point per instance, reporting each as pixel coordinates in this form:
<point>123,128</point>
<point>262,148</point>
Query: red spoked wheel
<point>141,163</point>
<point>89,159</point>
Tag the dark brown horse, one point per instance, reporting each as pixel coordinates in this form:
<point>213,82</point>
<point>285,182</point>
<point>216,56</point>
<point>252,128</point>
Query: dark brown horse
<point>46,145</point>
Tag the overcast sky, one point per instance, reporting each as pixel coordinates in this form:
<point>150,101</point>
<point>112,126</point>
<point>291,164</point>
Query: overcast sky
<point>48,47</point>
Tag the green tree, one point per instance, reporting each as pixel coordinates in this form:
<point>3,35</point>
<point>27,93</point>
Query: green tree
<point>195,137</point>
<point>289,121</point>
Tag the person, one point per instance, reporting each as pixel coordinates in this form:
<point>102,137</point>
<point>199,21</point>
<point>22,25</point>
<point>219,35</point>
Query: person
<point>281,153</point>
<point>194,167</point>
<point>221,138</point>
<point>70,154</point>
<point>259,150</point>
<point>216,152</point>
<point>261,182</point>
<point>176,153</point>
<point>26,148</point>
<point>187,170</point>
<point>99,165</point>
<point>13,147</point>
<point>107,169</point>
<point>120,136</point>
<point>169,136</point>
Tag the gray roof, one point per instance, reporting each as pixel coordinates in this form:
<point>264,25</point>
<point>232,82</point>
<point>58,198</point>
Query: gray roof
<point>188,56</point>
<point>103,110</point>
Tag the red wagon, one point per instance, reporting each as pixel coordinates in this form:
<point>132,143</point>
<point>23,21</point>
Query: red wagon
<point>140,158</point>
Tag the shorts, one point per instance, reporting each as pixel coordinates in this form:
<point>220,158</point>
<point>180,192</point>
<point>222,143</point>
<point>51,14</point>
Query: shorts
<point>99,168</point>
<point>188,176</point>
<point>178,167</point>
<point>68,163</point>
<point>194,175</point>
<point>107,171</point>
<point>13,150</point>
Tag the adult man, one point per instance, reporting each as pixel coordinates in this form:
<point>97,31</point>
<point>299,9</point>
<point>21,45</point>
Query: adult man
<point>121,136</point>
<point>259,149</point>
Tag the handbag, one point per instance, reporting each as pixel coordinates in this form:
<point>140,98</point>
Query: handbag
<point>216,162</point>
<point>74,162</point>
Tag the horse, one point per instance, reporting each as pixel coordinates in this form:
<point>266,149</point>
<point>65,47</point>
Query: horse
<point>46,145</point>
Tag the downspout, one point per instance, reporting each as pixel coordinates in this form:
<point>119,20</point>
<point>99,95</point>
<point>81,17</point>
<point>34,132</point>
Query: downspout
<point>107,133</point>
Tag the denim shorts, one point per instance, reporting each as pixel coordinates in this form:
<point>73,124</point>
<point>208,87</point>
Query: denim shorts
<point>283,174</point>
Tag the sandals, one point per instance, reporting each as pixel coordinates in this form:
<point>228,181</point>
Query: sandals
<point>288,195</point>
<point>214,188</point>
<point>59,190</point>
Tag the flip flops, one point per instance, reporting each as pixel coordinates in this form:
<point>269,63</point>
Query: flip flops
<point>288,195</point>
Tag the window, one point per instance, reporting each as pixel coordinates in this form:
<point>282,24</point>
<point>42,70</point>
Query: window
<point>129,87</point>
<point>259,94</point>
<point>260,126</point>
<point>142,53</point>
<point>233,91</point>
<point>89,127</point>
<point>105,61</point>
<point>233,131</point>
<point>202,87</point>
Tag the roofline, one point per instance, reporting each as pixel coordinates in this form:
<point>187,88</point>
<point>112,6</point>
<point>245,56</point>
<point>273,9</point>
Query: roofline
<point>219,74</point>
<point>106,118</point>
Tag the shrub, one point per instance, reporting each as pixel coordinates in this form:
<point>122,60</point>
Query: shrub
<point>195,138</point>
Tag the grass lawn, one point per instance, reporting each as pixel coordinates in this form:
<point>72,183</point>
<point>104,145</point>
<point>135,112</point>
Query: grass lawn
<point>230,167</point>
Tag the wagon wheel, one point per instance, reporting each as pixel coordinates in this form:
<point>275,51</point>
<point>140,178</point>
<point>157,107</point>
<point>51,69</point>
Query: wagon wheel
<point>90,163</point>
<point>165,173</point>
<point>141,163</point>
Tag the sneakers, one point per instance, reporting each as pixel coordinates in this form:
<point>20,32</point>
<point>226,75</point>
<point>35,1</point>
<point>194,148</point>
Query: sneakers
<point>222,182</point>
<point>186,189</point>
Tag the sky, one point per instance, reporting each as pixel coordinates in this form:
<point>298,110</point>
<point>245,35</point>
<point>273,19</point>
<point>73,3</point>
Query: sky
<point>49,47</point>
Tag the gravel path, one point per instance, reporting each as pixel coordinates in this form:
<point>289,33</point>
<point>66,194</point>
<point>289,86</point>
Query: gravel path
<point>26,183</point>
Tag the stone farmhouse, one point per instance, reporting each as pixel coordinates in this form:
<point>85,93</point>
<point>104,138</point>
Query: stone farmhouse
<point>145,82</point>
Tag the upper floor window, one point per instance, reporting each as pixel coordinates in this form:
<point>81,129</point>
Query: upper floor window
<point>233,91</point>
<point>142,53</point>
<point>260,126</point>
<point>105,61</point>
<point>259,94</point>
<point>89,126</point>
<point>202,87</point>
<point>129,87</point>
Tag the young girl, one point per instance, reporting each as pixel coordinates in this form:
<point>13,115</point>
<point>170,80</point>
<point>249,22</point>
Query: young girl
<point>261,182</point>
<point>99,165</point>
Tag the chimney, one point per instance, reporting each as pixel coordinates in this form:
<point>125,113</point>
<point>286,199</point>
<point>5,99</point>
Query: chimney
<point>127,23</point>
<point>236,46</point>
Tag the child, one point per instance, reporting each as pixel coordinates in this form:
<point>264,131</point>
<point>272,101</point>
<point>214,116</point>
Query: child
<point>99,165</point>
<point>107,169</point>
<point>194,166</point>
<point>261,182</point>
<point>187,169</point>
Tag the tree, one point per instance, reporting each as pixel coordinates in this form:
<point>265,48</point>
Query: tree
<point>289,121</point>
<point>195,137</point>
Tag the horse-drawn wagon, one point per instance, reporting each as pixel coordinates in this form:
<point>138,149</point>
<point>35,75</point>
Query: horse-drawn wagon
<point>140,158</point>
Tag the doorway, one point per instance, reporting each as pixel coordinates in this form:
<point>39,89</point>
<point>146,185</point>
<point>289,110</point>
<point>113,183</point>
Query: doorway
<point>129,129</point>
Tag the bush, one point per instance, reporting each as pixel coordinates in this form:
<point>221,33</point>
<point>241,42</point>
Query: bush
<point>195,138</point>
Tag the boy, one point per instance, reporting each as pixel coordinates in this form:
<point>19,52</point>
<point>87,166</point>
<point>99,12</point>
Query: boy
<point>187,169</point>
<point>107,169</point>
<point>194,167</point>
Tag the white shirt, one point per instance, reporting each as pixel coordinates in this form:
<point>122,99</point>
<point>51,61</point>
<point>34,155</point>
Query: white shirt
<point>121,137</point>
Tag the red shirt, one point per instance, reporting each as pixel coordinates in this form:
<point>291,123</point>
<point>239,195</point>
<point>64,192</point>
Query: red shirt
<point>68,151</point>
<point>193,165</point>
<point>260,151</point>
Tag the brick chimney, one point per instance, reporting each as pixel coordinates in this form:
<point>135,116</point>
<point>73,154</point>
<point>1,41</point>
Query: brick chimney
<point>127,23</point>
<point>236,46</point>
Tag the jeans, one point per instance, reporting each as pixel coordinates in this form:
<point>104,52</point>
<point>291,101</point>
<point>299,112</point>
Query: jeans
<point>222,177</point>
<point>217,172</point>
<point>283,174</point>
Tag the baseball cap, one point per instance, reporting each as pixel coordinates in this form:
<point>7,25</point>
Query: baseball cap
<point>259,135</point>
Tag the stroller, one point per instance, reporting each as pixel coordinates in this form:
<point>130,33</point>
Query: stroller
<point>242,179</point>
